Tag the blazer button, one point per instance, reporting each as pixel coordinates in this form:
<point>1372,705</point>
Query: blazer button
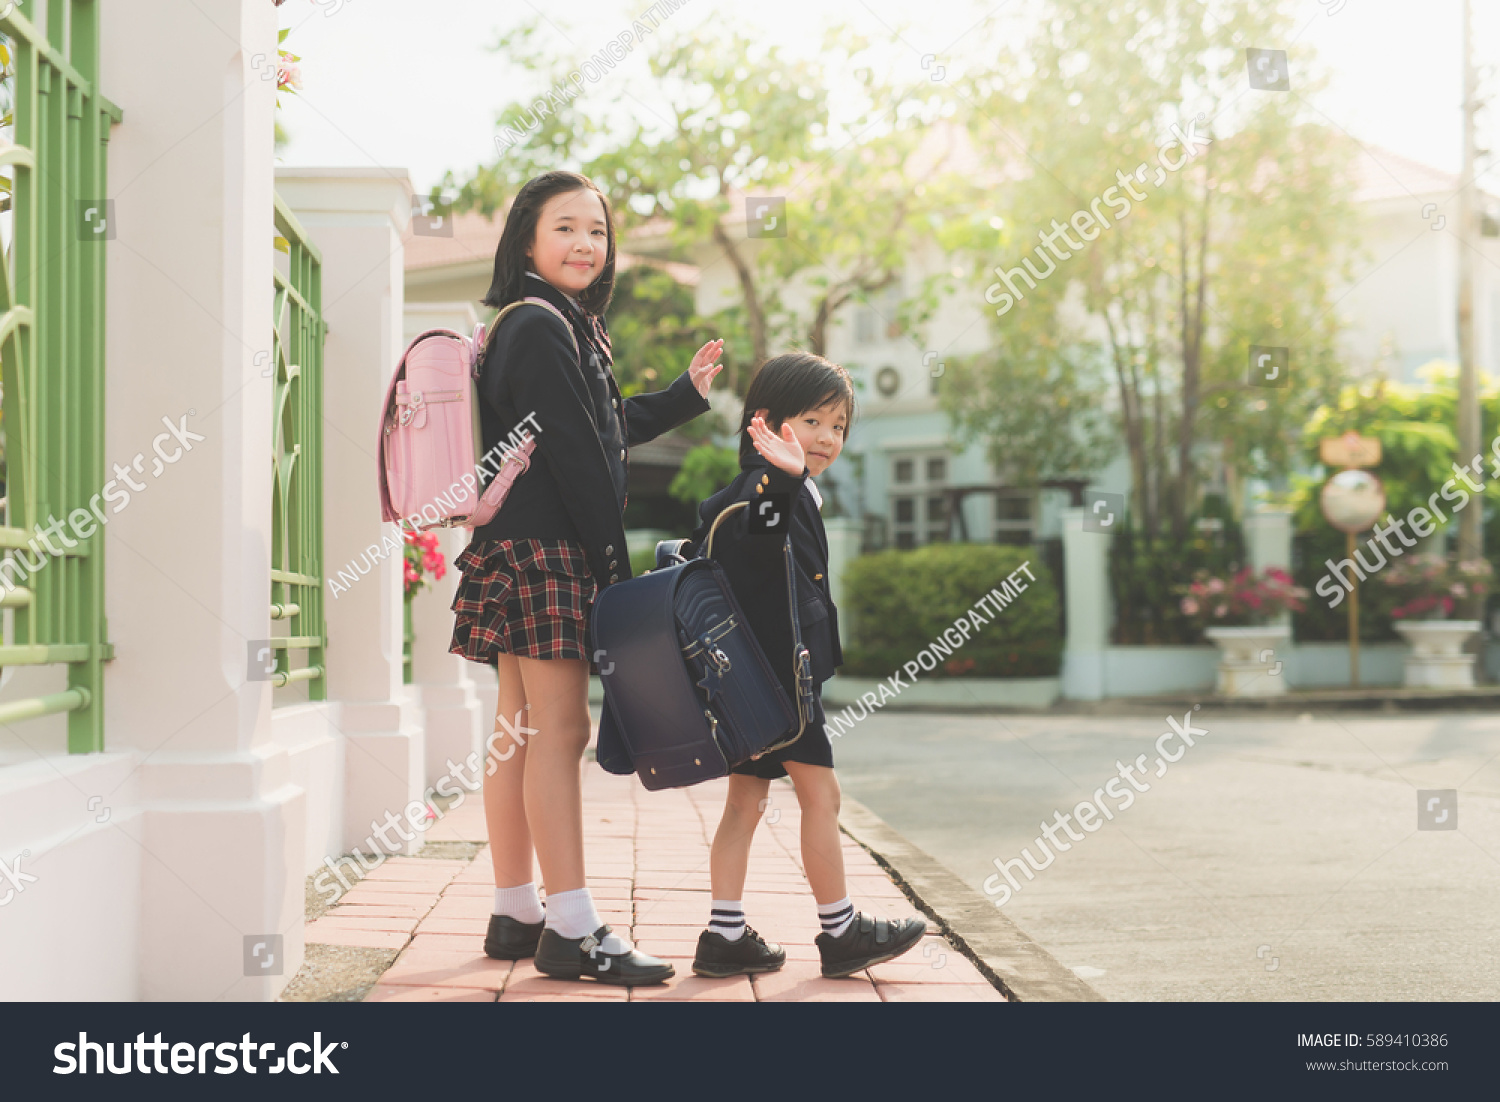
<point>614,563</point>
<point>614,578</point>
<point>765,478</point>
<point>609,549</point>
<point>760,489</point>
<point>816,577</point>
<point>622,454</point>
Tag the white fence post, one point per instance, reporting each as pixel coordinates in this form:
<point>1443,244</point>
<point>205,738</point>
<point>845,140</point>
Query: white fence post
<point>356,217</point>
<point>219,831</point>
<point>1086,567</point>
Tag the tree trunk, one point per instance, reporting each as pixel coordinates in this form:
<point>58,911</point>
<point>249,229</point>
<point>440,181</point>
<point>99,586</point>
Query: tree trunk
<point>755,312</point>
<point>1130,410</point>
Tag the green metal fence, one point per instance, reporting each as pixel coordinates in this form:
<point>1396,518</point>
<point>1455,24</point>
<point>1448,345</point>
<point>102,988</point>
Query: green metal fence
<point>297,459</point>
<point>52,359</point>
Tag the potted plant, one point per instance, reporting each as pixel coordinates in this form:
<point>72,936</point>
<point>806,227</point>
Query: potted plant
<point>1429,586</point>
<point>1235,613</point>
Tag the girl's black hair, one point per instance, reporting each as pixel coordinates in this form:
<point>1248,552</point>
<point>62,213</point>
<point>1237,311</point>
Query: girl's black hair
<point>511,261</point>
<point>794,383</point>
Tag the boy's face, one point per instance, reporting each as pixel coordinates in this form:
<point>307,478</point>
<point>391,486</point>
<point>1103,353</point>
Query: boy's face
<point>821,434</point>
<point>572,241</point>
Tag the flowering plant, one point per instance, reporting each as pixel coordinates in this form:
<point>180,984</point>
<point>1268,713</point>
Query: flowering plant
<point>1242,599</point>
<point>1430,584</point>
<point>422,558</point>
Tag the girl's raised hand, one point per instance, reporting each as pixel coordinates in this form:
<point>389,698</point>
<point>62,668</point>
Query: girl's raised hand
<point>782,451</point>
<point>703,369</point>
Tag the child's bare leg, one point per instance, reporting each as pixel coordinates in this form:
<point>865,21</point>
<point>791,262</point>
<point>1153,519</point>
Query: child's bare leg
<point>730,856</point>
<point>822,847</point>
<point>505,776</point>
<point>850,941</point>
<point>730,946</point>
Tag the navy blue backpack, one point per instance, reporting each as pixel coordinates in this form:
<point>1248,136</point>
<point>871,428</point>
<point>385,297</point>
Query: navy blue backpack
<point>688,693</point>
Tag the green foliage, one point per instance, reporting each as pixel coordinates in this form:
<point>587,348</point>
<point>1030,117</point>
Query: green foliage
<point>654,330</point>
<point>1245,243</point>
<point>706,469</point>
<point>642,561</point>
<point>1145,575</point>
<point>743,118</point>
<point>901,601</point>
<point>1414,424</point>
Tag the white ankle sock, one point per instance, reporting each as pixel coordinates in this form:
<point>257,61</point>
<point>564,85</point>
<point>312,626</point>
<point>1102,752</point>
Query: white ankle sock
<point>520,903</point>
<point>727,918</point>
<point>836,917</point>
<point>572,915</point>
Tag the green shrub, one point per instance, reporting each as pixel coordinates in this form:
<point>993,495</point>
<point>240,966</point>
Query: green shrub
<point>642,561</point>
<point>901,601</point>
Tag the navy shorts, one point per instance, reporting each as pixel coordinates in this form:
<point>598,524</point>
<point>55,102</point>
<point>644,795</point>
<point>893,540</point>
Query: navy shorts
<point>813,748</point>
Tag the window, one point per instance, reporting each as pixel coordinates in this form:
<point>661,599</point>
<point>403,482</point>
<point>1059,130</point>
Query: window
<point>1013,519</point>
<point>919,501</point>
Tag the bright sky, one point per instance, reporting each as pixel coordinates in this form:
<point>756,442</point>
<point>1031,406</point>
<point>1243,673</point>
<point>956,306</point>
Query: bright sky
<point>385,86</point>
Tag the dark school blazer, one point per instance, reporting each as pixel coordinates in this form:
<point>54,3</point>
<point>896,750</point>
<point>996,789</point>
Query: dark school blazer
<point>575,488</point>
<point>755,565</point>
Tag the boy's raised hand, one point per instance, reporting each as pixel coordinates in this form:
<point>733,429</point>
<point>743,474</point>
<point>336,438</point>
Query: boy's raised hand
<point>703,369</point>
<point>782,451</point>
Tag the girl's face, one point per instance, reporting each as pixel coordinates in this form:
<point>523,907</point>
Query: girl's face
<point>820,432</point>
<point>572,241</point>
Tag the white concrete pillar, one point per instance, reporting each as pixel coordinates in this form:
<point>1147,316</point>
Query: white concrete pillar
<point>844,537</point>
<point>443,684</point>
<point>1268,543</point>
<point>1086,568</point>
<point>356,217</point>
<point>187,578</point>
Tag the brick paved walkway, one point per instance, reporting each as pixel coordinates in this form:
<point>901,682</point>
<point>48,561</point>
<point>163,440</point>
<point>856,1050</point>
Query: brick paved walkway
<point>647,855</point>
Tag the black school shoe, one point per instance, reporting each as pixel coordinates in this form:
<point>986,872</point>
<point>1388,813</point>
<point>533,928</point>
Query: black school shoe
<point>580,958</point>
<point>718,957</point>
<point>866,942</point>
<point>511,939</point>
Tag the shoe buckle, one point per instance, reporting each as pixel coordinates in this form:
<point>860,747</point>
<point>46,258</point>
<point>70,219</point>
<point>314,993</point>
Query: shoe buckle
<point>589,944</point>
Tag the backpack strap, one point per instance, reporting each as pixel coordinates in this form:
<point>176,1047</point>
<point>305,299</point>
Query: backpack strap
<point>508,309</point>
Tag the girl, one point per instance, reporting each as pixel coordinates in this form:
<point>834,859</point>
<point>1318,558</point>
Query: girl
<point>809,403</point>
<point>531,574</point>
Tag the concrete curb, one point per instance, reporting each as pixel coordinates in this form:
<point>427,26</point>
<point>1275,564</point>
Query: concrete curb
<point>1009,959</point>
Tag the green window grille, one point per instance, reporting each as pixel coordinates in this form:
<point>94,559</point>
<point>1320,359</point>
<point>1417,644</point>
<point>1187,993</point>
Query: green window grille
<point>297,458</point>
<point>52,359</point>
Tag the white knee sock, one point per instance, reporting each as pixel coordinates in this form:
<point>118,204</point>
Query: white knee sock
<point>520,903</point>
<point>572,915</point>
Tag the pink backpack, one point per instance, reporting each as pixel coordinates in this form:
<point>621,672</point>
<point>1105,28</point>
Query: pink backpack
<point>431,446</point>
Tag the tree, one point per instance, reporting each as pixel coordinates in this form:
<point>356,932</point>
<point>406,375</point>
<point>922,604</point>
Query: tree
<point>745,120</point>
<point>1218,223</point>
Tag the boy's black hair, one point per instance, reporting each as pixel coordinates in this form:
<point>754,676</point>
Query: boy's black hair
<point>511,261</point>
<point>790,384</point>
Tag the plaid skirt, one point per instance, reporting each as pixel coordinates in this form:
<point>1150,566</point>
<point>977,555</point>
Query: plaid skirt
<point>530,598</point>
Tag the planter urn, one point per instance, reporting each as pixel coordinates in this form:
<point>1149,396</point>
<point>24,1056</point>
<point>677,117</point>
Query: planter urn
<point>1437,659</point>
<point>1250,659</point>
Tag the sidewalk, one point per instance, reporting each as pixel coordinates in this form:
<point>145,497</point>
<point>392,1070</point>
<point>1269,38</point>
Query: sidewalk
<point>647,856</point>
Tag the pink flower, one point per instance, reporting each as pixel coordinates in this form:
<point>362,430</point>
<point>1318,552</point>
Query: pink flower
<point>1215,585</point>
<point>1220,610</point>
<point>1189,607</point>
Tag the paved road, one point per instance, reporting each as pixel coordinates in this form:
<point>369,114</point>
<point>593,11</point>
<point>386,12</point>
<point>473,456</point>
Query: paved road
<point>1279,858</point>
